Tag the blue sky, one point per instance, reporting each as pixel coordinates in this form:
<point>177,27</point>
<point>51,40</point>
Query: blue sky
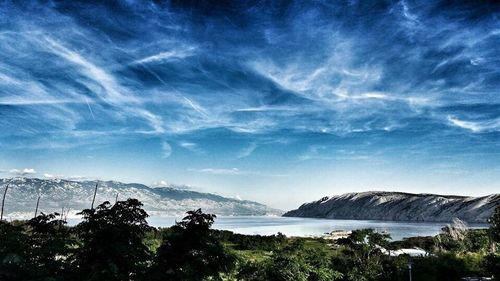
<point>276,101</point>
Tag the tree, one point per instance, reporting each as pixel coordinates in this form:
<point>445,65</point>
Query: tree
<point>364,256</point>
<point>452,237</point>
<point>493,265</point>
<point>50,245</point>
<point>111,240</point>
<point>191,251</point>
<point>320,266</point>
<point>495,225</point>
<point>290,263</point>
<point>14,252</point>
<point>287,265</point>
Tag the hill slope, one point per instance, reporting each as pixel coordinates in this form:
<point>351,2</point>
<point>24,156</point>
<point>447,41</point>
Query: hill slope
<point>77,195</point>
<point>397,206</point>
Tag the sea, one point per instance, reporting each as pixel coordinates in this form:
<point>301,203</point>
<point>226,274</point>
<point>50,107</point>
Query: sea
<point>308,227</point>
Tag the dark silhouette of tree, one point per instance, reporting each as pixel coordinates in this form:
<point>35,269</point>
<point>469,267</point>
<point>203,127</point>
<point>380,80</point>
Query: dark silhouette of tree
<point>50,245</point>
<point>492,264</point>
<point>493,259</point>
<point>111,238</point>
<point>191,251</point>
<point>14,252</point>
<point>495,225</point>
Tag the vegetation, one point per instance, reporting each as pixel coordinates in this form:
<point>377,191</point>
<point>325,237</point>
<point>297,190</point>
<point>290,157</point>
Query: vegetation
<point>191,251</point>
<point>110,242</point>
<point>114,242</point>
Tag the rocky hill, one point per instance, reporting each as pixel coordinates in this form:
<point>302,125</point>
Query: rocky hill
<point>158,201</point>
<point>397,206</point>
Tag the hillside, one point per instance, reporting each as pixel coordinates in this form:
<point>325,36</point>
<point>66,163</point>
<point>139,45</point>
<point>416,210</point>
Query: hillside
<point>158,201</point>
<point>397,206</point>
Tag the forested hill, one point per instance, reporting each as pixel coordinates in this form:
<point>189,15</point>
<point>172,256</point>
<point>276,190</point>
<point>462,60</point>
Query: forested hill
<point>397,206</point>
<point>158,201</point>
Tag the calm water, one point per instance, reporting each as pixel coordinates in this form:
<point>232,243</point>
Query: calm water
<point>308,227</point>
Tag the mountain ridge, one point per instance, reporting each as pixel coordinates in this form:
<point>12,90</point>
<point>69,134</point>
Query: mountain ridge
<point>158,201</point>
<point>400,206</point>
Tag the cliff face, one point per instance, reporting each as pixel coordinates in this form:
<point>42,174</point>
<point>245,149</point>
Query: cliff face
<point>396,206</point>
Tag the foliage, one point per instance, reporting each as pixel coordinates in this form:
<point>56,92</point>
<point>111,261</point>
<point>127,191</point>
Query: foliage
<point>492,264</point>
<point>452,237</point>
<point>426,243</point>
<point>251,242</point>
<point>362,256</point>
<point>34,249</point>
<point>292,262</point>
<point>114,242</point>
<point>111,238</point>
<point>477,241</point>
<point>191,251</point>
<point>14,252</point>
<point>462,241</point>
<point>320,267</point>
<point>495,225</point>
<point>50,244</point>
<point>448,266</point>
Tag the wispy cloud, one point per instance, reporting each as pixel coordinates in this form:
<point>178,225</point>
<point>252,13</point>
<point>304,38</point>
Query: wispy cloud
<point>476,126</point>
<point>167,55</point>
<point>191,146</point>
<point>203,80</point>
<point>166,149</point>
<point>219,171</point>
<point>113,93</point>
<point>235,172</point>
<point>247,151</point>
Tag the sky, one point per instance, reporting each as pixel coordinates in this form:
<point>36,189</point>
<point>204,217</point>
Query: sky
<point>281,102</point>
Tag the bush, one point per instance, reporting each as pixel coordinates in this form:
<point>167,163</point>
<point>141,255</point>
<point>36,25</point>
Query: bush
<point>190,250</point>
<point>111,238</point>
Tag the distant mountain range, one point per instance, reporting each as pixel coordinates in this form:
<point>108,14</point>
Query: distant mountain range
<point>397,206</point>
<point>158,201</point>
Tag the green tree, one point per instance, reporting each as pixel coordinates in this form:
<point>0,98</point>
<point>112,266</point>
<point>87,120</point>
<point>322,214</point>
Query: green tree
<point>452,237</point>
<point>14,252</point>
<point>492,265</point>
<point>289,263</point>
<point>495,225</point>
<point>50,245</point>
<point>252,271</point>
<point>363,255</point>
<point>192,251</point>
<point>320,265</point>
<point>112,245</point>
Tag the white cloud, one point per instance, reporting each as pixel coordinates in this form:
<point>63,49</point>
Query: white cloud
<point>23,172</point>
<point>167,149</point>
<point>167,56</point>
<point>48,176</point>
<point>247,151</point>
<point>160,183</point>
<point>113,93</point>
<point>231,171</point>
<point>188,145</point>
<point>78,178</point>
<point>191,146</point>
<point>52,176</point>
<point>475,127</point>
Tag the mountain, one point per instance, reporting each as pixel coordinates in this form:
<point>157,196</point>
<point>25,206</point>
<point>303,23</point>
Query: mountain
<point>397,206</point>
<point>158,201</point>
